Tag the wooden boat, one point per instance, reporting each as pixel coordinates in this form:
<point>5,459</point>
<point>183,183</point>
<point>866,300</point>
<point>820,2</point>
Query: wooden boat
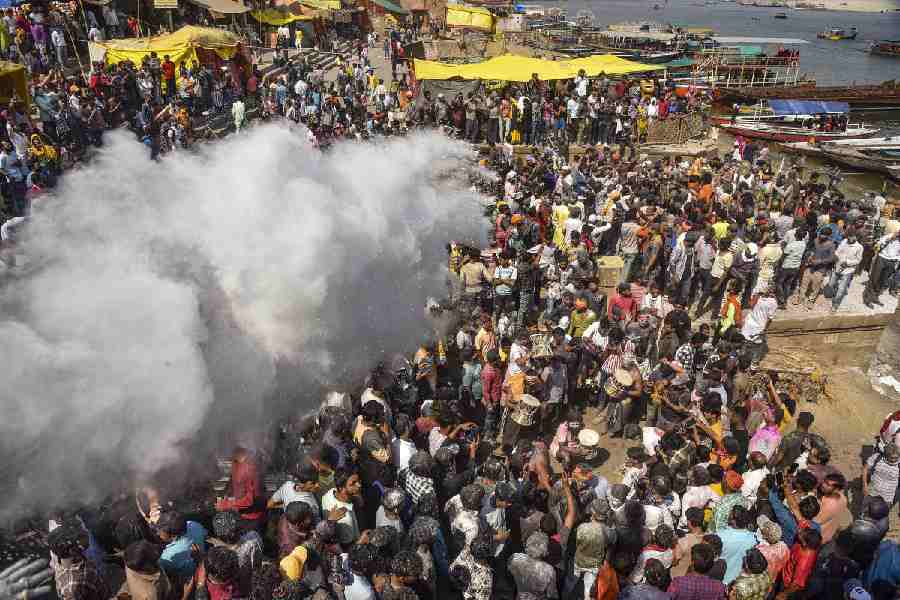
<point>780,15</point>
<point>862,96</point>
<point>860,158</point>
<point>880,144</point>
<point>886,48</point>
<point>785,133</point>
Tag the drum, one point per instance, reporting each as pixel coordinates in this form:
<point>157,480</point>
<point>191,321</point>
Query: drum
<point>541,345</point>
<point>616,385</point>
<point>588,438</point>
<point>524,412</point>
<point>589,443</point>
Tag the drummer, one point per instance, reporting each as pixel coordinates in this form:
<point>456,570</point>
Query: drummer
<point>522,420</point>
<point>565,441</point>
<point>519,354</point>
<point>618,388</point>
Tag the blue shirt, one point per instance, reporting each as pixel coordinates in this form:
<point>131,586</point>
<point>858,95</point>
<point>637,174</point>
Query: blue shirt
<point>176,557</point>
<point>735,543</point>
<point>885,567</point>
<point>786,520</point>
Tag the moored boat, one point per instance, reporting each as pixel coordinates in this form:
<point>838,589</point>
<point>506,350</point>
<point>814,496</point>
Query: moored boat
<point>798,121</point>
<point>886,95</point>
<point>780,15</point>
<point>886,48</point>
<point>782,133</point>
<point>858,157</point>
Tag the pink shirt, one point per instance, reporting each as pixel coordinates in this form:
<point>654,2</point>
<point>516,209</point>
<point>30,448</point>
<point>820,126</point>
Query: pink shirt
<point>776,554</point>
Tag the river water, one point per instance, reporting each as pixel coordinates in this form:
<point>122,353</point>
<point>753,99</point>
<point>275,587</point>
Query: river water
<point>829,62</point>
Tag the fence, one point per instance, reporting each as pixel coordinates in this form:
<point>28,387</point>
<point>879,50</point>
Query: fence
<point>677,129</point>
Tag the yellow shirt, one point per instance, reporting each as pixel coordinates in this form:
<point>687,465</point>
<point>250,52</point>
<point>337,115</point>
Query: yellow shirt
<point>720,229</point>
<point>560,214</point>
<point>708,512</point>
<point>292,564</point>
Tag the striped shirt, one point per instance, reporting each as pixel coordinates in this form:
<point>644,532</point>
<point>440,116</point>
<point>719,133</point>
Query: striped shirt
<point>883,477</point>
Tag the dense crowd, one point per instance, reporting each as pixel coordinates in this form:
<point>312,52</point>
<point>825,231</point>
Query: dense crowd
<point>619,297</point>
<point>470,470</point>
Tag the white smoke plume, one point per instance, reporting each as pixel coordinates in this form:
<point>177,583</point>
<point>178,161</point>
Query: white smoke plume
<point>205,293</point>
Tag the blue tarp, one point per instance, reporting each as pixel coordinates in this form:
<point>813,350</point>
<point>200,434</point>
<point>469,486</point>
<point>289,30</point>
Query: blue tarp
<point>807,107</point>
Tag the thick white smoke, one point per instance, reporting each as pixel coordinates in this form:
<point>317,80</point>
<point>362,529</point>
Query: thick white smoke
<point>171,300</point>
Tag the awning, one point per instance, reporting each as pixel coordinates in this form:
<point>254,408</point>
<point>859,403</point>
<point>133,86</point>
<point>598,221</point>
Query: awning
<point>322,4</point>
<point>469,17</point>
<point>277,18</point>
<point>225,7</point>
<point>510,67</point>
<point>388,5</point>
<point>181,46</point>
<point>808,107</point>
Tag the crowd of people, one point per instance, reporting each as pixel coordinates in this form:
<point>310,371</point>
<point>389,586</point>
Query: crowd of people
<point>584,110</point>
<point>618,298</point>
<point>473,469</point>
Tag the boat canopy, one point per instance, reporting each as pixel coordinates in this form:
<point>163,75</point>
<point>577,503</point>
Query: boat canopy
<point>807,107</point>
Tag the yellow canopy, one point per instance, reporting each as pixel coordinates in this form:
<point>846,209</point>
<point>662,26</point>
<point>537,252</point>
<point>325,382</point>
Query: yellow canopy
<point>469,16</point>
<point>322,4</point>
<point>180,46</point>
<point>271,16</point>
<point>510,67</point>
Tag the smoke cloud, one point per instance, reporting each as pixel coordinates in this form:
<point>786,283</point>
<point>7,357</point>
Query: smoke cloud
<point>203,295</point>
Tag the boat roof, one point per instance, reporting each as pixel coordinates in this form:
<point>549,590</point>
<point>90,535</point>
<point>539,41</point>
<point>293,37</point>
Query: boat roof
<point>807,107</point>
<point>679,62</point>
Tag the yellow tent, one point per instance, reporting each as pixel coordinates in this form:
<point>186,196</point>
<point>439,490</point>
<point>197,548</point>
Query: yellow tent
<point>322,4</point>
<point>180,46</point>
<point>510,67</point>
<point>276,17</point>
<point>13,81</point>
<point>469,16</point>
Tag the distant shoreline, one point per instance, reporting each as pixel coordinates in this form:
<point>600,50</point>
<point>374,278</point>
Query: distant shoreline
<point>868,6</point>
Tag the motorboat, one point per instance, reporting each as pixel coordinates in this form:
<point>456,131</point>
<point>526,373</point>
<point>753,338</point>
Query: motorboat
<point>780,15</point>
<point>886,48</point>
<point>797,121</point>
<point>837,34</point>
<point>785,133</point>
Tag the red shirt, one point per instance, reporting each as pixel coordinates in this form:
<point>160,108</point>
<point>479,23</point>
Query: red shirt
<point>799,566</point>
<point>246,491</point>
<point>168,69</point>
<point>625,305</point>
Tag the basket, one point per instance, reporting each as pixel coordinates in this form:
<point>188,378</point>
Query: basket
<point>609,269</point>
